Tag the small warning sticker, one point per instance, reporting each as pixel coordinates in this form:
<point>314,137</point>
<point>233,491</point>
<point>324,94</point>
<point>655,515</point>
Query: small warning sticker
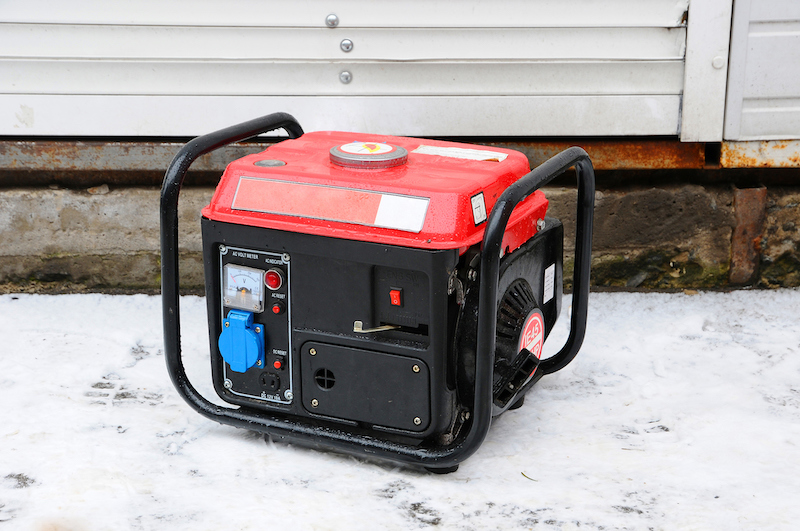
<point>549,283</point>
<point>532,337</point>
<point>478,208</point>
<point>367,148</point>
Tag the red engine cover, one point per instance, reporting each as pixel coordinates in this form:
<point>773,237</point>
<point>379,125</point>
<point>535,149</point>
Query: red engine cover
<point>393,190</point>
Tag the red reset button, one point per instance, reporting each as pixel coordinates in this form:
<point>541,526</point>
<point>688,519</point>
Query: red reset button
<point>396,297</point>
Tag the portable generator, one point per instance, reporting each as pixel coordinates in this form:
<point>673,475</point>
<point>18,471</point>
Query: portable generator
<point>376,295</point>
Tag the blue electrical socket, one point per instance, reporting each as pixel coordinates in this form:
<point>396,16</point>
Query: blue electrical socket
<point>241,342</point>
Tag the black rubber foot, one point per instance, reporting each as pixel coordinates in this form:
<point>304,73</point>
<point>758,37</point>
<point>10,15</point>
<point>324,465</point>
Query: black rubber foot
<point>446,470</point>
<point>517,404</point>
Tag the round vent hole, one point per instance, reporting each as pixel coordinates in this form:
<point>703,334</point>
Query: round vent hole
<point>324,378</point>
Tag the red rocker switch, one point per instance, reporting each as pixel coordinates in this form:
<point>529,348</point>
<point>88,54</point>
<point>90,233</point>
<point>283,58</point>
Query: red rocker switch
<point>396,297</point>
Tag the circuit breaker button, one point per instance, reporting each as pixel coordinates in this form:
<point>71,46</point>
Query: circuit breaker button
<point>396,297</point>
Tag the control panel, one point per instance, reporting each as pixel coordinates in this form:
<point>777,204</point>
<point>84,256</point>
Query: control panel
<point>255,339</point>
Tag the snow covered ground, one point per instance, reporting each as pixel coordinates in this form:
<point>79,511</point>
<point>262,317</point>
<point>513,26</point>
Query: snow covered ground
<point>680,412</point>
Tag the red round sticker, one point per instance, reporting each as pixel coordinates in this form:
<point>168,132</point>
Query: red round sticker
<point>532,337</point>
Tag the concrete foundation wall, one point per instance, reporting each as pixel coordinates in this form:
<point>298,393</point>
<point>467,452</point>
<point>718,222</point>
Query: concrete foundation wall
<point>666,237</point>
<point>93,239</point>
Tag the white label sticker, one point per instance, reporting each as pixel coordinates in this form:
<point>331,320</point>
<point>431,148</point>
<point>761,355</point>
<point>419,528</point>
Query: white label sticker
<point>549,282</point>
<point>401,212</point>
<point>478,208</point>
<point>462,153</point>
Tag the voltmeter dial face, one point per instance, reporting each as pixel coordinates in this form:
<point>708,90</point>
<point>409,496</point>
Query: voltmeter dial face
<point>243,288</point>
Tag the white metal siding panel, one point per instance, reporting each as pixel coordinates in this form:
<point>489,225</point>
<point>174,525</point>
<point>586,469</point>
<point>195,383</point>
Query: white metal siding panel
<point>386,44</point>
<point>707,42</point>
<point>372,78</point>
<point>764,80</point>
<point>417,116</point>
<point>567,67</point>
<point>352,13</point>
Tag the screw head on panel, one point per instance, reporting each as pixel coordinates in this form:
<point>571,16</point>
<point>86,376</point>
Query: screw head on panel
<point>346,45</point>
<point>345,77</point>
<point>314,402</point>
<point>332,20</point>
<point>227,384</point>
<point>417,421</point>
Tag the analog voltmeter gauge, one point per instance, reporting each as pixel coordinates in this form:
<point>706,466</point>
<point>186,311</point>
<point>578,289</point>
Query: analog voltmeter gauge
<point>243,288</point>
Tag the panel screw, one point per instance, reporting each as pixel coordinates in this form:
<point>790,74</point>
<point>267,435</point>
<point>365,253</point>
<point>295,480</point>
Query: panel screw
<point>255,307</point>
<point>345,77</point>
<point>540,224</point>
<point>417,421</point>
<point>346,45</point>
<point>227,324</point>
<point>331,21</point>
<point>314,402</point>
<point>223,249</point>
<point>258,330</point>
<point>286,258</point>
<point>288,395</point>
<point>227,384</point>
<point>718,62</point>
<point>415,368</point>
<point>312,351</point>
<point>258,362</point>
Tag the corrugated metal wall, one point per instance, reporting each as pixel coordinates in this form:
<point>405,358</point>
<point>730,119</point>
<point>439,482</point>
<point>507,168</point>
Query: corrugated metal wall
<point>148,68</point>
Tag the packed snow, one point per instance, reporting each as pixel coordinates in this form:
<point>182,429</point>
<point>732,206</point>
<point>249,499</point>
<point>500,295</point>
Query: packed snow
<point>680,412</point>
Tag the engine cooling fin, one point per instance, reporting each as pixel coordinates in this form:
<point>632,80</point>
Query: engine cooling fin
<point>516,304</point>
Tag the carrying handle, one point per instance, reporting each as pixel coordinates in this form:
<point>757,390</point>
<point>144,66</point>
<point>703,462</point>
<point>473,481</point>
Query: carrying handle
<point>170,190</point>
<point>492,250</point>
<point>434,457</point>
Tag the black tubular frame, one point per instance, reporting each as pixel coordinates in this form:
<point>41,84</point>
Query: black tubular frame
<point>307,433</point>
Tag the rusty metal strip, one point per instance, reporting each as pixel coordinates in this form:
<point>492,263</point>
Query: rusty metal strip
<point>624,154</point>
<point>85,163</point>
<point>69,155</point>
<point>761,154</point>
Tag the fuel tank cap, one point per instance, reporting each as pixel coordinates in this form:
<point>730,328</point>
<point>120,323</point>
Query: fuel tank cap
<point>368,155</point>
